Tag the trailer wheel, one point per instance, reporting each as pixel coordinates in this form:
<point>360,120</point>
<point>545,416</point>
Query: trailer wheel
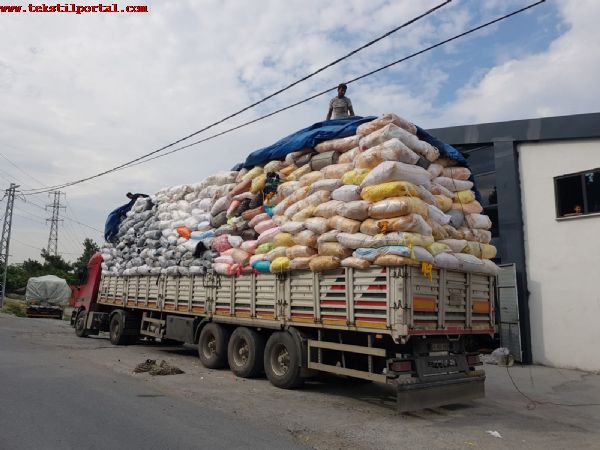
<point>80,320</point>
<point>245,352</point>
<point>282,361</point>
<point>212,346</point>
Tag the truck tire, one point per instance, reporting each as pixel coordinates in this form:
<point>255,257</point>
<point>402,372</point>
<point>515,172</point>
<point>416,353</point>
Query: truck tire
<point>80,320</point>
<point>212,346</point>
<point>282,361</point>
<point>121,329</point>
<point>245,352</point>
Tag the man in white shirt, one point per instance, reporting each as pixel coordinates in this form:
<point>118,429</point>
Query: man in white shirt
<point>340,106</point>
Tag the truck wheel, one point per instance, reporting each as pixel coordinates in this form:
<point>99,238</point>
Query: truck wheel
<point>212,346</point>
<point>245,352</point>
<point>80,320</point>
<point>282,361</point>
<point>117,329</point>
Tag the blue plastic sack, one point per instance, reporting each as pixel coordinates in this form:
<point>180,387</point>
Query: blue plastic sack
<point>262,266</point>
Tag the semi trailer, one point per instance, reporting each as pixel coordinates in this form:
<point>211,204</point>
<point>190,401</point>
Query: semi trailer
<point>405,326</point>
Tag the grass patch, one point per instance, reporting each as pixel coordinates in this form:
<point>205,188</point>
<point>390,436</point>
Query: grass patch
<point>13,306</point>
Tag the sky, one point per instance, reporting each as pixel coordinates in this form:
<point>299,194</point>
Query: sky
<point>80,94</point>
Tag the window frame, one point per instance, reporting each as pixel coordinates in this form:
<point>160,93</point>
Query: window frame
<point>584,194</point>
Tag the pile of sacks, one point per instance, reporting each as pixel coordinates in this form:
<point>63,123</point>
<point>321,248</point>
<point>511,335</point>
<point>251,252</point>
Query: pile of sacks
<point>380,197</point>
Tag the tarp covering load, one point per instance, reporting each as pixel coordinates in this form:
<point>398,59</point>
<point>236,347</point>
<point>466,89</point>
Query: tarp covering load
<point>307,138</point>
<point>48,289</point>
<point>343,193</point>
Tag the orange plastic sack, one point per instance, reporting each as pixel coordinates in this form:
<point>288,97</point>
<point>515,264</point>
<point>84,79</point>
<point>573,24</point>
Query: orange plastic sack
<point>477,235</point>
<point>394,260</point>
<point>322,263</point>
<point>473,207</point>
<point>338,145</point>
<point>327,209</point>
<point>345,225</point>
<point>317,225</point>
<point>300,262</point>
<point>334,249</point>
<point>242,186</point>
<point>391,131</point>
<point>310,178</point>
<point>458,173</point>
<point>411,222</point>
<point>300,251</point>
<point>287,170</point>
<point>356,210</point>
<point>307,238</point>
<point>382,121</point>
<point>349,156</point>
<point>184,232</point>
<point>355,263</point>
<point>336,171</point>
<point>392,150</point>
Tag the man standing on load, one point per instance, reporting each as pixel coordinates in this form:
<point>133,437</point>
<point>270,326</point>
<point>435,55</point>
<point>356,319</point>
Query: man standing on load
<point>340,106</point>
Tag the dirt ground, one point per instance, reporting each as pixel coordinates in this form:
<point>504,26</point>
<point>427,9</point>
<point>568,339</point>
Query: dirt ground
<point>335,413</point>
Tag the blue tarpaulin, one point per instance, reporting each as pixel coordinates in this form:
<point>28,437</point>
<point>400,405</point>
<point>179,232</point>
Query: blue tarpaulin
<point>446,150</point>
<point>111,227</point>
<point>306,138</point>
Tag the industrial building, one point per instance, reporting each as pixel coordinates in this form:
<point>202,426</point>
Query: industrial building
<point>540,185</point>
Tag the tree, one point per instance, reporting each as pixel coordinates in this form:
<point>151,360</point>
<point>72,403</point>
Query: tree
<point>89,249</point>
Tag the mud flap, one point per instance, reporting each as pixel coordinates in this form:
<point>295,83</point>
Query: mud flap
<point>413,397</point>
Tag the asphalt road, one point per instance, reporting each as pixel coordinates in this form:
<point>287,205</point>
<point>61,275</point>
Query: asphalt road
<point>58,391</point>
<point>51,399</point>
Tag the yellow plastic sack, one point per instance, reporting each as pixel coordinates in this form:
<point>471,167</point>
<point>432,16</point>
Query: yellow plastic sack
<point>280,264</point>
<point>345,225</point>
<point>355,176</point>
<point>464,196</point>
<point>438,231</point>
<point>303,214</point>
<point>296,174</point>
<point>321,263</point>
<point>437,248</point>
<point>253,173</point>
<point>385,190</point>
<point>398,206</point>
<point>444,203</point>
<point>483,251</point>
<point>283,240</point>
<point>258,184</point>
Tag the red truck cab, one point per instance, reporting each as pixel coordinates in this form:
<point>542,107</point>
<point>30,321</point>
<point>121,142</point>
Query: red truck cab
<point>84,297</point>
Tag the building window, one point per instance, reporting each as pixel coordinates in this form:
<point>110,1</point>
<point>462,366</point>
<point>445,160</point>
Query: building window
<point>577,194</point>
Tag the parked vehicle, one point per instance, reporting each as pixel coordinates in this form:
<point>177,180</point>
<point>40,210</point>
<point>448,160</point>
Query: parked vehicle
<point>396,326</point>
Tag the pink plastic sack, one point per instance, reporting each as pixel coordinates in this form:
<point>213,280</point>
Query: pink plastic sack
<point>268,235</point>
<point>382,121</point>
<point>263,226</point>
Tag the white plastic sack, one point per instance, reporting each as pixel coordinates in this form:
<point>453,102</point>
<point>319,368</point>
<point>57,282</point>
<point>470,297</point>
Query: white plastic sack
<point>396,171</point>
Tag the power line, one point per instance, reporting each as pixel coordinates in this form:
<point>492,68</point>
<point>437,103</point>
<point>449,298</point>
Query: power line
<point>262,100</point>
<point>21,170</point>
<point>319,94</point>
<point>312,97</point>
<point>28,201</point>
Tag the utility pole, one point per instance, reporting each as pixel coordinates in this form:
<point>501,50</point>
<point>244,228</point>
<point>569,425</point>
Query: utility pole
<point>53,238</point>
<point>5,238</point>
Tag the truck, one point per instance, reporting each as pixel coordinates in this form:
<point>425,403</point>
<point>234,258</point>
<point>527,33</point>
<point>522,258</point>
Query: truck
<point>408,327</point>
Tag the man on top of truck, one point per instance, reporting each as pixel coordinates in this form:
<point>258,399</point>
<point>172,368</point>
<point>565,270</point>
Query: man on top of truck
<point>340,106</point>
